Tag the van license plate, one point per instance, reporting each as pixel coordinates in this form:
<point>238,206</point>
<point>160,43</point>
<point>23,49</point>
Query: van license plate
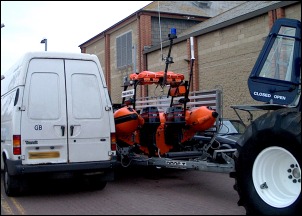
<point>42,155</point>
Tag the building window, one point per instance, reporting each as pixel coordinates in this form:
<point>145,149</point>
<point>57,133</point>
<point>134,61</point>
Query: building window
<point>124,50</point>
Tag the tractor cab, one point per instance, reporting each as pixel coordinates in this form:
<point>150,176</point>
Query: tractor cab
<point>276,76</point>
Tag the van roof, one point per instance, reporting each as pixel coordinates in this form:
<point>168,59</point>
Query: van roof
<point>46,54</point>
<point>64,55</point>
<point>17,71</point>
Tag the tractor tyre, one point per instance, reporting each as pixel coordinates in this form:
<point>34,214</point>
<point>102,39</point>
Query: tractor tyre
<point>268,164</point>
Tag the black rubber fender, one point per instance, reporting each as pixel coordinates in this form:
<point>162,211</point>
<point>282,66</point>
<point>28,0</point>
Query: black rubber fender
<point>280,128</point>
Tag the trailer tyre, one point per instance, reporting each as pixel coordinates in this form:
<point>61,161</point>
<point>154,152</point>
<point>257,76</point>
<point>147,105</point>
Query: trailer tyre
<point>11,183</point>
<point>268,164</point>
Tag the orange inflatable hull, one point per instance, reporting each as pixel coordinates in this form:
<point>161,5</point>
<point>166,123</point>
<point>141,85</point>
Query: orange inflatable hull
<point>128,124</point>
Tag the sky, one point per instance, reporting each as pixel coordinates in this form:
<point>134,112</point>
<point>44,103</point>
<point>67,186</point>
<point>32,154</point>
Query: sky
<point>65,24</point>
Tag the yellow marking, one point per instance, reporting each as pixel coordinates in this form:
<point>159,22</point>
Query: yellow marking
<point>5,206</point>
<point>18,206</point>
<point>40,155</point>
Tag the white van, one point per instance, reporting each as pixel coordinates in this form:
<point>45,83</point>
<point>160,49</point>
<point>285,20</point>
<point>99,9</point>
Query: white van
<point>56,116</point>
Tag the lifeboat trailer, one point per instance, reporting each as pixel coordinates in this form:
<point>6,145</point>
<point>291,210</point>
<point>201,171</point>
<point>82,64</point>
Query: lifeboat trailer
<point>127,119</point>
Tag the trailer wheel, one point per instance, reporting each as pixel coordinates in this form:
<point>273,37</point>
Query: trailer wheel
<point>11,183</point>
<point>268,164</point>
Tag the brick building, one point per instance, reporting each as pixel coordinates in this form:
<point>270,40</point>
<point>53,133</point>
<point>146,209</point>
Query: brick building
<point>227,38</point>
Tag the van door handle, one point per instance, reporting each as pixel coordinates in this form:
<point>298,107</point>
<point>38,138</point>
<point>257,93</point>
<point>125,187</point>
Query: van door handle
<point>71,130</point>
<point>63,130</point>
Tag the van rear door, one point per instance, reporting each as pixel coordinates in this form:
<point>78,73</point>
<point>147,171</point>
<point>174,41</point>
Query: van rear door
<point>64,117</point>
<point>44,119</point>
<point>88,120</point>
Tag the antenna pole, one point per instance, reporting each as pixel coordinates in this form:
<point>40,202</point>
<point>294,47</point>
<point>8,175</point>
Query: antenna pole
<point>192,63</point>
<point>186,99</point>
<point>169,59</point>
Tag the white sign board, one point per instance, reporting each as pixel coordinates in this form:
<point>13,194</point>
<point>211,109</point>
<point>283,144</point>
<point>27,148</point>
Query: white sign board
<point>127,93</point>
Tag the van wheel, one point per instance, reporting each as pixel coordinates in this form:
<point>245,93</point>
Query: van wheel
<point>95,182</point>
<point>100,185</point>
<point>11,183</point>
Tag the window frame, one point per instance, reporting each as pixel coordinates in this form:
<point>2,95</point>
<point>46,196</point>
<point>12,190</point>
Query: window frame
<point>123,42</point>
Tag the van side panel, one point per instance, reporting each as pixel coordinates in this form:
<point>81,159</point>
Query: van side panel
<point>43,130</point>
<point>12,87</point>
<point>88,120</point>
<point>10,121</point>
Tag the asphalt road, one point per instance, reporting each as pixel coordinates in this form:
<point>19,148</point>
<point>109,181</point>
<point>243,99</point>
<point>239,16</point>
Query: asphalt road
<point>134,192</point>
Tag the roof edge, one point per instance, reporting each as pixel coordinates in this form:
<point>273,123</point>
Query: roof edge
<point>224,24</point>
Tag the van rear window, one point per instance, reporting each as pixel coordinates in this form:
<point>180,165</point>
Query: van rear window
<point>44,96</point>
<point>86,98</point>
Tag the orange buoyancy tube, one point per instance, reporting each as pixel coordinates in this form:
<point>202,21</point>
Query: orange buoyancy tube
<point>127,120</point>
<point>127,123</point>
<point>200,118</point>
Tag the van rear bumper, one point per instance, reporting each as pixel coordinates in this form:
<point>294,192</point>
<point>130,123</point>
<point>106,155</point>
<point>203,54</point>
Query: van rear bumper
<point>15,167</point>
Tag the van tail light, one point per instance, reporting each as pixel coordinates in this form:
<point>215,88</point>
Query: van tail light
<point>16,144</point>
<point>113,142</point>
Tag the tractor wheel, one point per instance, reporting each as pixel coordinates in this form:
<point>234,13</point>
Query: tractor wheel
<point>268,164</point>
